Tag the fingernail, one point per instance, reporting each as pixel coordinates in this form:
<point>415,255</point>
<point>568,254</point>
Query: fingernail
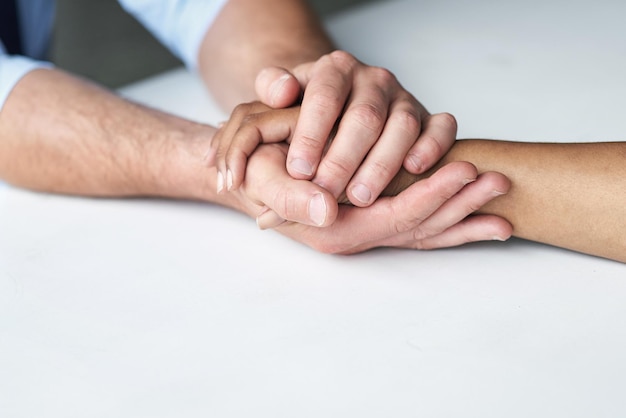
<point>361,193</point>
<point>498,193</point>
<point>415,161</point>
<point>496,238</point>
<point>317,209</point>
<point>229,179</point>
<point>301,166</point>
<point>277,87</point>
<point>220,181</point>
<point>468,181</point>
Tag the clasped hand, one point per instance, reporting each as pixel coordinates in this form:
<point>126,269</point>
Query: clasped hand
<point>378,128</point>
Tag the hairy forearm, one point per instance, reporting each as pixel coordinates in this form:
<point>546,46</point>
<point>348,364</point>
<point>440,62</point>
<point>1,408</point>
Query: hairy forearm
<point>249,35</point>
<point>61,134</point>
<point>568,195</point>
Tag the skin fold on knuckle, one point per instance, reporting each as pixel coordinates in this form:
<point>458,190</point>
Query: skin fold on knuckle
<point>408,122</point>
<point>430,146</point>
<point>447,121</point>
<point>285,204</point>
<point>368,115</point>
<point>342,60</point>
<point>322,100</point>
<point>384,78</point>
<point>335,167</point>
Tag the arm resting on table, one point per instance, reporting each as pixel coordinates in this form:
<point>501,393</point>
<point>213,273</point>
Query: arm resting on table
<point>568,195</point>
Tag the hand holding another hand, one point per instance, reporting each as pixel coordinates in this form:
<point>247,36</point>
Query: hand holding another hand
<point>380,126</point>
<point>431,213</point>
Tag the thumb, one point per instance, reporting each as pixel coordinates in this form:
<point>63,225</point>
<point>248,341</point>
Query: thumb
<point>277,87</point>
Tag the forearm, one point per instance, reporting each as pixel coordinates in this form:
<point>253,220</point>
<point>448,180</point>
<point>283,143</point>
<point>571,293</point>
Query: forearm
<point>249,35</point>
<point>61,134</point>
<point>568,195</point>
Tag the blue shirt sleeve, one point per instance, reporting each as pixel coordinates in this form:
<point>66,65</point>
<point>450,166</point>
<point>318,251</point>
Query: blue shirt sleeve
<point>179,24</point>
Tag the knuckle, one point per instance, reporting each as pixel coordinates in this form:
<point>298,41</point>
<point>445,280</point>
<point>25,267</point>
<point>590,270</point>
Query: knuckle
<point>284,204</point>
<point>338,167</point>
<point>433,143</point>
<point>368,115</point>
<point>447,120</point>
<point>472,207</point>
<point>342,59</point>
<point>404,224</point>
<point>326,97</point>
<point>308,141</point>
<point>383,76</point>
<point>241,109</point>
<point>381,170</point>
<point>420,234</point>
<point>249,119</point>
<point>407,121</point>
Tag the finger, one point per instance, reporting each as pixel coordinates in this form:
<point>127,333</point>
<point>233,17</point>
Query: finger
<point>324,98</point>
<point>277,87</point>
<point>269,219</point>
<point>472,229</point>
<point>293,200</point>
<point>386,157</point>
<point>360,127</point>
<point>257,128</point>
<point>437,137</point>
<point>216,154</point>
<point>440,228</point>
<point>360,228</point>
<point>470,199</point>
<point>223,138</point>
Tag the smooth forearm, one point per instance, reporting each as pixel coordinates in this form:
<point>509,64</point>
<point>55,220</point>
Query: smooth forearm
<point>249,35</point>
<point>568,195</point>
<point>61,134</point>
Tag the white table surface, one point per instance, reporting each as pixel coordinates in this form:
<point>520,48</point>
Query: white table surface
<point>151,308</point>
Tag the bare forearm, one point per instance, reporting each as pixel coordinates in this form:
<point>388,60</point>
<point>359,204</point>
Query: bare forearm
<point>568,195</point>
<point>61,134</point>
<point>249,35</point>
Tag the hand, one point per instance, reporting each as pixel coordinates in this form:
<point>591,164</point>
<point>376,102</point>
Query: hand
<point>250,124</point>
<point>380,126</point>
<point>432,213</point>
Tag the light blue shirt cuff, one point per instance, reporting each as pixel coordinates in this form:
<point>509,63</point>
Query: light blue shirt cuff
<point>12,69</point>
<point>179,24</point>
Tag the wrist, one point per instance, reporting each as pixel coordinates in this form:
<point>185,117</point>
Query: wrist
<point>176,165</point>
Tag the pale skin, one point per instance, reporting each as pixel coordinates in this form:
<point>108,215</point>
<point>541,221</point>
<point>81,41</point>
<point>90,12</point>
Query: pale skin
<point>568,195</point>
<point>63,134</point>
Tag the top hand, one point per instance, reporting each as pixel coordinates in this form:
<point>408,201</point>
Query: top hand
<point>380,126</point>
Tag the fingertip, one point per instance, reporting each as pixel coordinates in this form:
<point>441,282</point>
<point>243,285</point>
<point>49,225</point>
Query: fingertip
<point>300,168</point>
<point>463,171</point>
<point>277,87</point>
<point>498,182</point>
<point>413,164</point>
<point>269,219</point>
<point>502,229</point>
<point>360,195</point>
